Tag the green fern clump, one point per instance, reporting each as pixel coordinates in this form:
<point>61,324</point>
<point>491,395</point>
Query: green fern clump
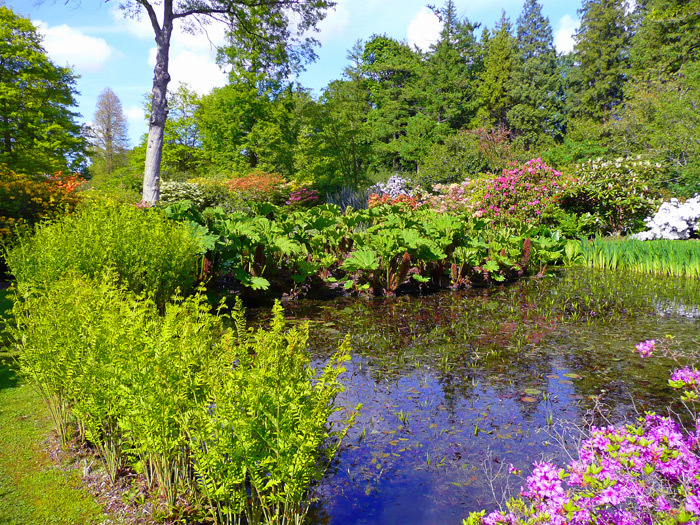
<point>203,412</point>
<point>146,251</point>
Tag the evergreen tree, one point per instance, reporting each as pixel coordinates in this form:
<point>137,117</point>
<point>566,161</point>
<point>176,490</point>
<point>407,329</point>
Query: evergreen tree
<point>447,79</point>
<point>492,95</point>
<point>668,38</point>
<point>536,116</point>
<point>601,59</point>
<point>38,130</point>
<point>109,134</point>
<point>391,69</point>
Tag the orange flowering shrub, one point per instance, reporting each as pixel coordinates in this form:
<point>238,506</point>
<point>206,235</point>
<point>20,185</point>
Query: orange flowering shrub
<point>260,186</point>
<point>403,199</point>
<point>25,199</point>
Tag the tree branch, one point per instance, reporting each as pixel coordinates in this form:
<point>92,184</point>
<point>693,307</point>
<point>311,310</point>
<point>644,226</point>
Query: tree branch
<point>151,15</point>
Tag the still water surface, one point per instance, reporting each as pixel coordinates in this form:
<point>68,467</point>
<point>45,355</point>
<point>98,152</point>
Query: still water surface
<point>457,386</point>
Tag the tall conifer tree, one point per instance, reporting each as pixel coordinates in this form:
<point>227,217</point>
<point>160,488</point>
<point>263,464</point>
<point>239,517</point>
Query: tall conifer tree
<point>492,94</point>
<point>667,39</point>
<point>535,84</point>
<point>601,59</point>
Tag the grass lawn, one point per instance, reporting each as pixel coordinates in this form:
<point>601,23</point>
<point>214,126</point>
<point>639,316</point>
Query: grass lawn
<point>33,489</point>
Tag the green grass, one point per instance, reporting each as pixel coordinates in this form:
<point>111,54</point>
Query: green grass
<point>34,490</point>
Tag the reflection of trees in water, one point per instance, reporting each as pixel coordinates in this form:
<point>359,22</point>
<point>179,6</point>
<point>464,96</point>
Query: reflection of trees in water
<point>464,360</point>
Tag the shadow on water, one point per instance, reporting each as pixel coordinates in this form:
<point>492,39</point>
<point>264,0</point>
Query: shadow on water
<point>457,386</point>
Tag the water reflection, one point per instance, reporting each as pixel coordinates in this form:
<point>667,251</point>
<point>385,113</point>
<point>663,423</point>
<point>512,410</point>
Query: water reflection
<point>458,384</point>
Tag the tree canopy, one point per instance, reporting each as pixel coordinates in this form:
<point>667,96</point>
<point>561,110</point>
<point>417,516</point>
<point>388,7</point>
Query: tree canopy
<point>38,129</point>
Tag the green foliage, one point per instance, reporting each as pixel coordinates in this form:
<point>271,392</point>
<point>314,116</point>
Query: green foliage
<point>464,156</point>
<point>199,410</point>
<point>661,120</point>
<point>602,58</point>
<point>38,131</point>
<point>493,96</point>
<point>536,114</point>
<point>620,194</point>
<point>667,39</point>
<point>182,143</point>
<point>146,251</point>
<point>375,250</point>
<point>264,430</point>
<point>676,258</point>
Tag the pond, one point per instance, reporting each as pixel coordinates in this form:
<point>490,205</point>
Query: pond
<point>457,386</point>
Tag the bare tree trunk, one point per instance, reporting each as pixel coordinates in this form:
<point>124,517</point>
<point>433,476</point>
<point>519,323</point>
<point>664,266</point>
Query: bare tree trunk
<point>159,106</point>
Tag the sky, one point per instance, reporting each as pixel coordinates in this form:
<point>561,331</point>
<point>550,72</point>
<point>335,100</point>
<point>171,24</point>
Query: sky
<point>105,49</point>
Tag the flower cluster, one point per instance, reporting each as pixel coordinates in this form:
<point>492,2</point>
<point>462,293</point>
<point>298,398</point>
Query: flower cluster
<point>303,197</point>
<point>402,200</point>
<point>454,198</point>
<point>646,473</point>
<point>522,192</point>
<point>673,221</point>
<point>258,185</point>
<point>646,348</point>
<point>394,187</point>
<point>25,199</point>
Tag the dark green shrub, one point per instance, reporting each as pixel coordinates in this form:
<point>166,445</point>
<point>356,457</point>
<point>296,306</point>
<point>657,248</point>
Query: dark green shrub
<point>465,155</point>
<point>146,251</point>
<point>619,193</point>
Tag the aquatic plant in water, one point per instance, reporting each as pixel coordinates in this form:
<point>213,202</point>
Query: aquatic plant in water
<point>646,473</point>
<point>662,257</point>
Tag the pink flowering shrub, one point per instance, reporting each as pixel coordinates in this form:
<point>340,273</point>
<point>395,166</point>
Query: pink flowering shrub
<point>648,473</point>
<point>522,192</point>
<point>303,198</point>
<point>457,198</point>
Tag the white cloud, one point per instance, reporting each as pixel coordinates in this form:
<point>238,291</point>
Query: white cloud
<point>334,25</point>
<point>564,35</point>
<point>139,27</point>
<point>424,29</point>
<point>66,45</point>
<point>197,70</point>
<point>134,114</point>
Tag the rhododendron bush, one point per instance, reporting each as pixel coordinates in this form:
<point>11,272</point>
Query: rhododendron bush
<point>620,193</point>
<point>644,473</point>
<point>522,192</point>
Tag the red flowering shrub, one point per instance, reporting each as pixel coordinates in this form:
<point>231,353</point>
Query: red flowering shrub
<point>25,199</point>
<point>403,199</point>
<point>259,186</point>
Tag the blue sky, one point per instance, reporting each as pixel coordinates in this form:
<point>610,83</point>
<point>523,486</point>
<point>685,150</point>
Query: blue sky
<point>107,50</point>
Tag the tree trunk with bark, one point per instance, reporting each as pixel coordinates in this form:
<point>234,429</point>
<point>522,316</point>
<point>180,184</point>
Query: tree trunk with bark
<point>159,103</point>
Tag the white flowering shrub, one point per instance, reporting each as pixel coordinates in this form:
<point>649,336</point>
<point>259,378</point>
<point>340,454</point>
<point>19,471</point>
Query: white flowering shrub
<point>171,192</point>
<point>618,193</point>
<point>394,187</point>
<point>673,221</point>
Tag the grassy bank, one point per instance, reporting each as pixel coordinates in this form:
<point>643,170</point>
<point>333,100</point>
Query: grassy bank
<point>34,490</point>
